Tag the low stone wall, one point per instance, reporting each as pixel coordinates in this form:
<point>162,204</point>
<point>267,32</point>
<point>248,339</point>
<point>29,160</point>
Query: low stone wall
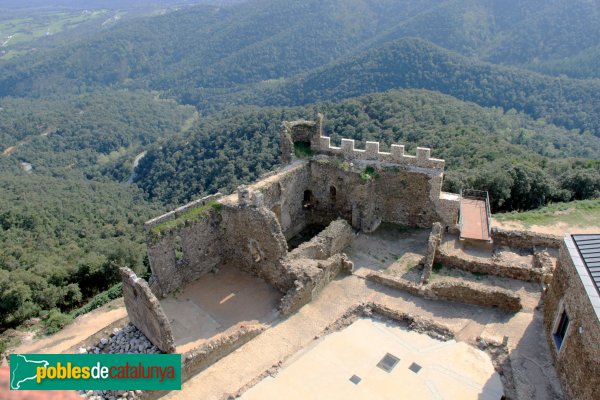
<point>435,238</point>
<point>330,241</point>
<point>487,266</point>
<point>473,293</point>
<point>312,277</point>
<point>145,311</point>
<point>524,239</point>
<point>201,358</point>
<point>464,292</point>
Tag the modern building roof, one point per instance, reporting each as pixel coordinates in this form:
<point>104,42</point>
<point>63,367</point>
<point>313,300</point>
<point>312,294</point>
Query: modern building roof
<point>589,249</point>
<point>585,253</point>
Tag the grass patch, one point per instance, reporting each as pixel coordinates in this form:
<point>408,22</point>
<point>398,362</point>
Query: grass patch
<point>435,271</point>
<point>55,321</point>
<point>99,300</point>
<point>195,214</point>
<point>303,150</point>
<point>581,213</point>
<point>369,173</point>
<point>479,275</point>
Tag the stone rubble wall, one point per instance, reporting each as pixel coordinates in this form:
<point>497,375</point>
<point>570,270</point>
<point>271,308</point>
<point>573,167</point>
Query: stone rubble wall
<point>330,241</point>
<point>488,266</point>
<point>524,239</point>
<point>171,215</point>
<point>145,312</point>
<point>201,252</point>
<point>464,292</point>
<point>577,363</point>
<point>201,358</point>
<point>313,276</point>
<point>435,238</point>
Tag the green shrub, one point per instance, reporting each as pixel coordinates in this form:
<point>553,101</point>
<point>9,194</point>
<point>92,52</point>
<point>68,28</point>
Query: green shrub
<point>56,320</point>
<point>100,299</point>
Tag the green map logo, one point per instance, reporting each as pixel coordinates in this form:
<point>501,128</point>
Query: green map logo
<point>95,371</point>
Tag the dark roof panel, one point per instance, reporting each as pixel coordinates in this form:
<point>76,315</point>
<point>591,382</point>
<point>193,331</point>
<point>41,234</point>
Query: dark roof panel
<point>589,249</point>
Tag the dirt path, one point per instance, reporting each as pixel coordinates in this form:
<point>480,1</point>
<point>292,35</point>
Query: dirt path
<point>559,229</point>
<point>78,331</point>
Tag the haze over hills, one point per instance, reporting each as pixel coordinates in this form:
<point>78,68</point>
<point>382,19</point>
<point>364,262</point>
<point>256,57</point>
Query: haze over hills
<point>505,91</point>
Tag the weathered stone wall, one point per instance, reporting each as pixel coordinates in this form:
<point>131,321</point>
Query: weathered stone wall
<point>283,194</point>
<point>435,238</point>
<point>577,363</point>
<point>391,194</point>
<point>524,239</point>
<point>145,311</point>
<point>488,266</point>
<point>330,241</point>
<point>461,291</point>
<point>253,242</point>
<point>200,252</point>
<point>312,276</point>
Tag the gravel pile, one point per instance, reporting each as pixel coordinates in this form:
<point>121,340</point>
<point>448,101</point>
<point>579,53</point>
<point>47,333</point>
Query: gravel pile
<point>128,340</point>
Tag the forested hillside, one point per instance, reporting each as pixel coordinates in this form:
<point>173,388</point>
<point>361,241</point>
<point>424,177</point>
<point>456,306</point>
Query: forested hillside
<point>63,241</point>
<point>483,147</point>
<point>414,63</point>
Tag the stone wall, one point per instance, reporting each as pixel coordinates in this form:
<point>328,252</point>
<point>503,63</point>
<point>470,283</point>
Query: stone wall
<point>390,194</point>
<point>488,266</point>
<point>577,362</point>
<point>524,239</point>
<point>145,311</point>
<point>312,276</point>
<point>461,291</point>
<point>183,254</point>
<point>253,242</point>
<point>330,241</point>
<point>435,238</point>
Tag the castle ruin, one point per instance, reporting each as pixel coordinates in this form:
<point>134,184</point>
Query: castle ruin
<point>278,243</point>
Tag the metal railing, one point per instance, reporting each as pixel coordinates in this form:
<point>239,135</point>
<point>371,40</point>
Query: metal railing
<point>477,195</point>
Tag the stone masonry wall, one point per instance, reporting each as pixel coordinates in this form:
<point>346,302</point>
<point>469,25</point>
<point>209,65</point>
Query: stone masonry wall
<point>200,252</point>
<point>524,239</point>
<point>577,363</point>
<point>145,311</point>
<point>330,241</point>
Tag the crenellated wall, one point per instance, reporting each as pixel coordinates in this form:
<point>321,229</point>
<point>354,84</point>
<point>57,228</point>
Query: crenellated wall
<point>371,153</point>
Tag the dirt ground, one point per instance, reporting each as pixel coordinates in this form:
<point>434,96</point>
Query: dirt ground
<point>391,248</point>
<point>559,229</point>
<point>216,302</point>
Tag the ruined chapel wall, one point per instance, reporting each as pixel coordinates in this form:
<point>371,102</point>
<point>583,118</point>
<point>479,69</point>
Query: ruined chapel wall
<point>253,241</point>
<point>395,194</point>
<point>145,312</point>
<point>201,251</point>
<point>284,195</point>
<point>577,361</point>
<point>332,240</point>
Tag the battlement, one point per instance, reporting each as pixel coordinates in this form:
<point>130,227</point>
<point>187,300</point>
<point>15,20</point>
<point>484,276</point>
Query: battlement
<point>371,153</point>
<point>311,132</point>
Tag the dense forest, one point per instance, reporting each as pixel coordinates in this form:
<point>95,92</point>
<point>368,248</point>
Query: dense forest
<point>506,91</point>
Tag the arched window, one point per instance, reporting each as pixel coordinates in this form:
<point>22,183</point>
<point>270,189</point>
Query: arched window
<point>308,200</point>
<point>332,193</point>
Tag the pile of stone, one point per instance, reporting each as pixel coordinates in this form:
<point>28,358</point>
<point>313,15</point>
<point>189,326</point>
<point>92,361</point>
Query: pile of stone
<point>128,340</point>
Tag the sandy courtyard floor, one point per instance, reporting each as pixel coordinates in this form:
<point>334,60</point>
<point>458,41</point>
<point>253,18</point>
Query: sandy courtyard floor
<point>216,302</point>
<point>440,370</point>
